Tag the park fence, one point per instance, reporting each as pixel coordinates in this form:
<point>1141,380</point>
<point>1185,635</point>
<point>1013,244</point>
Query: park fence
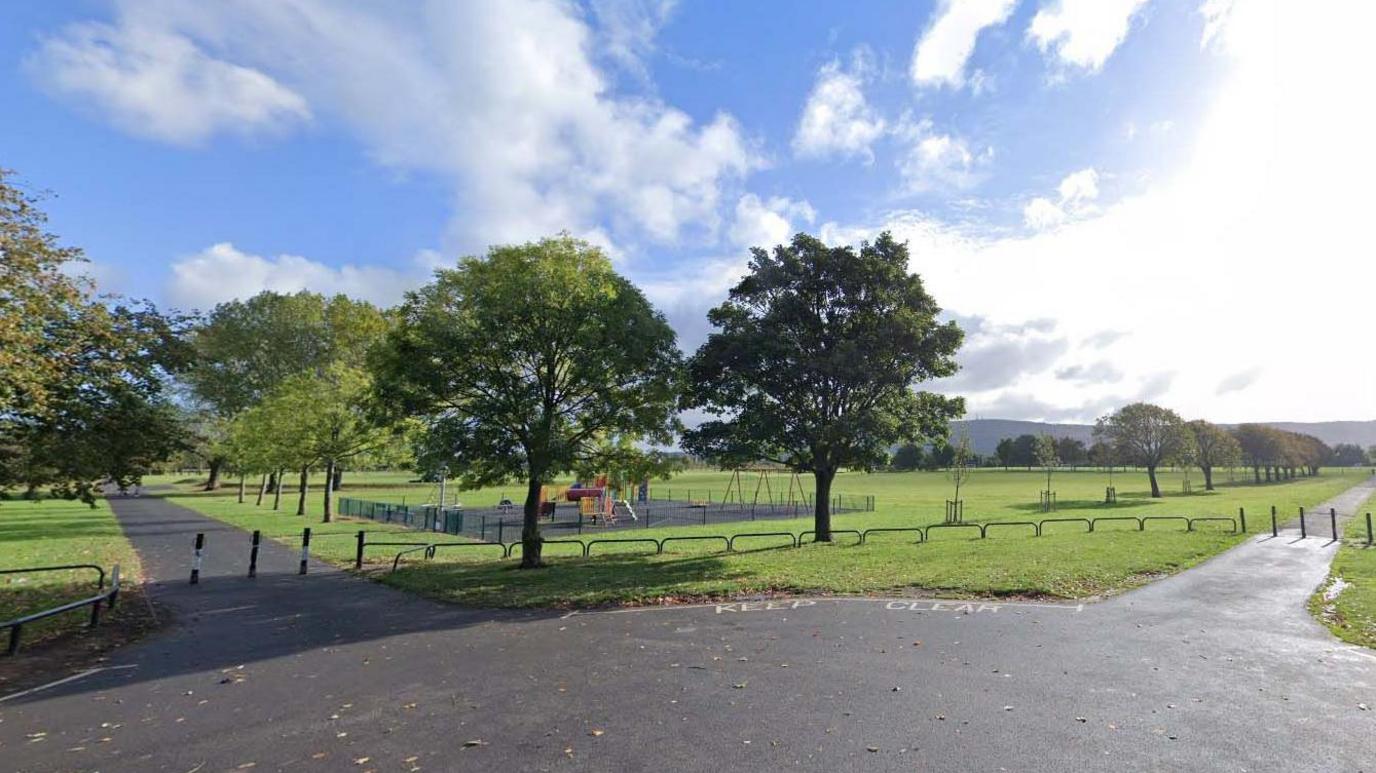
<point>499,523</point>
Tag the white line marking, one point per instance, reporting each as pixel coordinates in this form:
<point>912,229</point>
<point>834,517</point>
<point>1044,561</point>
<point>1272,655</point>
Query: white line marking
<point>787,603</point>
<point>64,680</point>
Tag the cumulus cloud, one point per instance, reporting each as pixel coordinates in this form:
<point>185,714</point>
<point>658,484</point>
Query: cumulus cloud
<point>1000,355</point>
<point>1075,198</point>
<point>222,272</point>
<point>1191,263</point>
<point>837,119</point>
<point>503,97</point>
<point>1083,33</point>
<point>941,53</point>
<point>934,160</point>
<point>767,223</point>
<point>157,83</point>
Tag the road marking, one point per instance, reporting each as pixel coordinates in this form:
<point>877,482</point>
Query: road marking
<point>64,680</point>
<point>890,604</point>
<point>763,606</point>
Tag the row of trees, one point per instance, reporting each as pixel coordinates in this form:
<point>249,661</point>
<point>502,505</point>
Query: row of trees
<point>538,360</point>
<point>530,362</point>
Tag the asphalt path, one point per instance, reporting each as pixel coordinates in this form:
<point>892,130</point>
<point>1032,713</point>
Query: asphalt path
<point>1219,668</point>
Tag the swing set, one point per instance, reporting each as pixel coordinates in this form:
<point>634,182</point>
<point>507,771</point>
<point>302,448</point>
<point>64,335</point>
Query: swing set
<point>762,483</point>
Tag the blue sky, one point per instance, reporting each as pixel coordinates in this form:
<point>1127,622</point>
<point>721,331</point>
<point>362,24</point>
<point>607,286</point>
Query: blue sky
<point>1086,184</point>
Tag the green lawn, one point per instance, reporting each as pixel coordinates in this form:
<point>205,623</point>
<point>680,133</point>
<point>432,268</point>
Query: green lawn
<point>57,532</point>
<point>1352,615</point>
<point>1062,564</point>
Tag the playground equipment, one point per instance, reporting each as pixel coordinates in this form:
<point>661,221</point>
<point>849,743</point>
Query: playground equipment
<point>734,487</point>
<point>600,502</point>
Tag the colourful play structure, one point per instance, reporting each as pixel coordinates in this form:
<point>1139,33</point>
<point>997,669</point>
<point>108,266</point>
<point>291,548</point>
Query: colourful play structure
<point>597,499</point>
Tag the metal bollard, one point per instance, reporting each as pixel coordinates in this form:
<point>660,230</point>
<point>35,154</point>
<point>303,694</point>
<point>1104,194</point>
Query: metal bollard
<point>1274,533</point>
<point>1242,516</point>
<point>305,548</point>
<point>1303,531</point>
<point>196,558</point>
<point>1333,519</point>
<point>361,539</point>
<point>253,554</point>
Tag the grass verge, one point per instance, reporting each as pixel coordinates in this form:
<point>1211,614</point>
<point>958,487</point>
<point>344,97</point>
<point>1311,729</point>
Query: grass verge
<point>1062,564</point>
<point>1346,603</point>
<point>55,532</point>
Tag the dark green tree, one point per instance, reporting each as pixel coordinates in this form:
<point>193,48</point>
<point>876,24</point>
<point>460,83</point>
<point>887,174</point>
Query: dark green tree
<point>815,363</point>
<point>908,457</point>
<point>1004,452</point>
<point>531,362</point>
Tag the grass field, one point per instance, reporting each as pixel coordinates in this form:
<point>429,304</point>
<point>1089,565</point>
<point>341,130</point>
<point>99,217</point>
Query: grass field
<point>57,532</point>
<point>1351,616</point>
<point>1062,564</point>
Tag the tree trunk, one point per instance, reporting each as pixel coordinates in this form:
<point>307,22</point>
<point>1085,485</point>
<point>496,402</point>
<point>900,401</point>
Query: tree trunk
<point>213,482</point>
<point>330,484</point>
<point>274,479</point>
<point>531,541</point>
<point>1155,487</point>
<point>277,490</point>
<point>1256,473</point>
<point>262,491</point>
<point>305,483</point>
<point>241,488</point>
<point>1208,477</point>
<point>822,508</point>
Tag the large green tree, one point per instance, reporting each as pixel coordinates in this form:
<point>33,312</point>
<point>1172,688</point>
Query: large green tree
<point>815,362</point>
<point>526,363</point>
<point>1146,435</point>
<point>83,380</point>
<point>247,348</point>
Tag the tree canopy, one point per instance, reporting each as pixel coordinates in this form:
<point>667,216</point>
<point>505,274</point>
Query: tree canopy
<point>83,380</point>
<point>1146,435</point>
<point>815,361</point>
<point>530,362</point>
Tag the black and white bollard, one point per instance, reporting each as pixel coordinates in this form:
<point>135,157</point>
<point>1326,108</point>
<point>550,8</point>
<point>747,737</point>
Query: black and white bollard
<point>253,554</point>
<point>305,548</point>
<point>196,558</point>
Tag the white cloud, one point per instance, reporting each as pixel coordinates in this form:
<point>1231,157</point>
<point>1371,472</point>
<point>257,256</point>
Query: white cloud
<point>222,272</point>
<point>837,119</point>
<point>1267,210</point>
<point>767,223</point>
<point>503,97</point>
<point>627,29</point>
<point>937,161</point>
<point>1083,33</point>
<point>941,53</point>
<point>1076,195</point>
<point>156,83</point>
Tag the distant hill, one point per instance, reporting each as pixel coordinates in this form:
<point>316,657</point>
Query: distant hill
<point>985,434</point>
